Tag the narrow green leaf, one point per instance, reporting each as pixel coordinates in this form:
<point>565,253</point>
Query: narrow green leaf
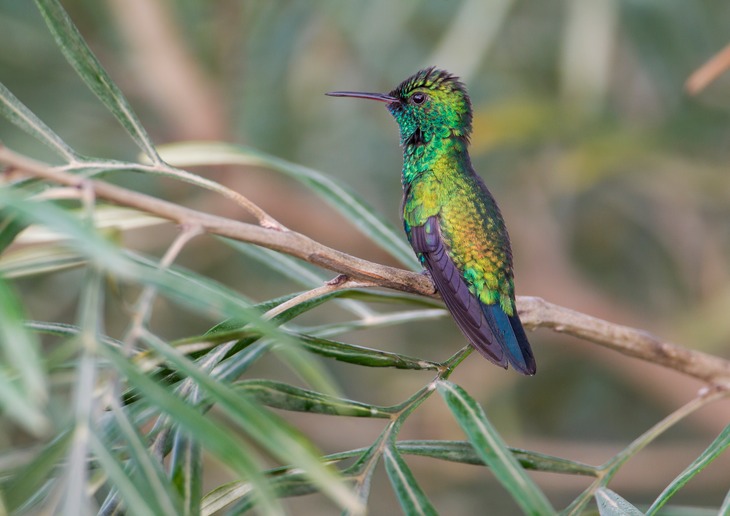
<point>10,227</point>
<point>305,306</point>
<point>717,446</point>
<point>84,62</point>
<point>612,504</point>
<point>393,297</point>
<point>345,201</point>
<point>235,365</point>
<point>287,397</point>
<point>26,482</point>
<point>239,325</point>
<point>492,449</point>
<point>105,218</point>
<point>219,441</point>
<point>271,432</point>
<point>186,470</point>
<point>66,330</point>
<point>410,495</point>
<point>295,270</point>
<point>307,367</point>
<point>144,468</point>
<point>23,390</point>
<point>76,498</point>
<point>285,265</point>
<point>363,470</point>
<point>35,260</point>
<point>206,287</point>
<point>725,507</point>
<point>79,234</point>
<point>291,483</point>
<point>464,452</point>
<point>376,321</point>
<point>288,347</point>
<point>227,494</point>
<point>186,463</point>
<point>361,355</point>
<point>17,113</point>
<point>137,501</point>
<point>190,289</point>
<point>21,349</point>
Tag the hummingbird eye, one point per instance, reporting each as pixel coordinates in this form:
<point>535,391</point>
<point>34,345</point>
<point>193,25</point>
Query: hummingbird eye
<point>418,98</point>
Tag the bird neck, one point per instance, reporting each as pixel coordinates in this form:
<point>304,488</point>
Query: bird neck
<point>440,153</point>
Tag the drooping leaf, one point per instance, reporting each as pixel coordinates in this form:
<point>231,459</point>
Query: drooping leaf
<point>143,467</point>
<point>412,498</point>
<point>290,483</point>
<point>31,261</point>
<point>361,355</point>
<point>10,227</point>
<point>23,389</point>
<point>17,113</point>
<point>76,499</point>
<point>205,295</point>
<point>376,321</point>
<point>137,500</point>
<point>611,503</point>
<point>88,67</point>
<point>29,480</point>
<point>719,445</point>
<point>274,434</point>
<point>223,444</point>
<point>186,470</point>
<point>492,449</point>
<point>464,452</point>
<point>288,397</point>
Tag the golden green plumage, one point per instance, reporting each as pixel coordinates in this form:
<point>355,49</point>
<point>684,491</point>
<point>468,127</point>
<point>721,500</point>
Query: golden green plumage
<point>471,224</point>
<point>450,217</point>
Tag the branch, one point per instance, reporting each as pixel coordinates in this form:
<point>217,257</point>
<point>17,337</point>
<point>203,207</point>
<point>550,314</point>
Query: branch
<point>708,72</point>
<point>534,312</point>
<point>284,240</point>
<point>538,313</point>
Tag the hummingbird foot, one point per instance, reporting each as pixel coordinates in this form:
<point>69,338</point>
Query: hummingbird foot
<point>427,273</point>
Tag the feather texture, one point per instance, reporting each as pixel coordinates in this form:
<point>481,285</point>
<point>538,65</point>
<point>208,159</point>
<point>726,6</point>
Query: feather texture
<point>499,338</point>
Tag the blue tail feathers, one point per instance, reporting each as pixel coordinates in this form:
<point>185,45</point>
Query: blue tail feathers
<point>511,335</point>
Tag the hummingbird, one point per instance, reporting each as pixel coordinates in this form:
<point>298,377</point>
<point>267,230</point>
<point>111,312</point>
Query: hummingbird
<point>450,217</point>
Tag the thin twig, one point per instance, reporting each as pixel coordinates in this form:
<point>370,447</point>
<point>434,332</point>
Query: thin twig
<point>339,283</point>
<point>289,242</point>
<point>264,219</point>
<point>708,72</point>
<point>143,305</point>
<point>534,312</point>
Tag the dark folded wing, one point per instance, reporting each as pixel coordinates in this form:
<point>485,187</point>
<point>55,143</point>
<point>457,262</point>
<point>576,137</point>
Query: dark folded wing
<point>466,310</point>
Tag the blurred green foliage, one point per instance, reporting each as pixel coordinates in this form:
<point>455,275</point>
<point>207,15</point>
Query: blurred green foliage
<point>613,180</point>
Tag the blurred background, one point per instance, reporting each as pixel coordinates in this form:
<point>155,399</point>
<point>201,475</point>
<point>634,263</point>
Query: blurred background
<point>612,178</point>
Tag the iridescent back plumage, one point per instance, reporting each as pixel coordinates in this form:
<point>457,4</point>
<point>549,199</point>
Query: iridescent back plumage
<point>451,219</point>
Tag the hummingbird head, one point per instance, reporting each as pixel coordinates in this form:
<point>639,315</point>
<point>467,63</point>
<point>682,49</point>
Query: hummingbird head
<point>431,104</point>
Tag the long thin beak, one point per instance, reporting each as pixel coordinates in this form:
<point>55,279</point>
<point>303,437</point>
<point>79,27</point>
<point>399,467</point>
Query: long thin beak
<point>381,97</point>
